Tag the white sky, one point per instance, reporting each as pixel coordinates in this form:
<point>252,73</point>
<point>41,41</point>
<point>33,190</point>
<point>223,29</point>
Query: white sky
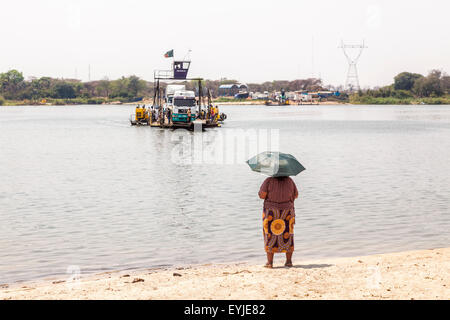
<point>247,40</point>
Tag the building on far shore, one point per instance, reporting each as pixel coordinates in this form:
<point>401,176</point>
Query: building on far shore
<point>230,90</point>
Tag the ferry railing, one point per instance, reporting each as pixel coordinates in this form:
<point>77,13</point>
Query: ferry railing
<point>163,74</point>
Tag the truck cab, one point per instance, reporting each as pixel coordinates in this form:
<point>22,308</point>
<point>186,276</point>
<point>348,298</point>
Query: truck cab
<point>182,102</point>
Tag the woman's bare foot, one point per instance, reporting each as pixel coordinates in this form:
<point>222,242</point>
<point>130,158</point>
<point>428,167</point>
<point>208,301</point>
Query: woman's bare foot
<point>288,259</point>
<point>269,263</point>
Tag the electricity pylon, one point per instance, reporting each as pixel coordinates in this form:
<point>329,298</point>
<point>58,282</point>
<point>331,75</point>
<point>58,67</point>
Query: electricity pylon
<point>352,82</point>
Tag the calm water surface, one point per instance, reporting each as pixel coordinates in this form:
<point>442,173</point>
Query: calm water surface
<point>80,187</point>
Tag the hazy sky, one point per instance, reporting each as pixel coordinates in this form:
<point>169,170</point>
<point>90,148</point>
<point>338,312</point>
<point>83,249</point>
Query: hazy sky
<point>251,41</point>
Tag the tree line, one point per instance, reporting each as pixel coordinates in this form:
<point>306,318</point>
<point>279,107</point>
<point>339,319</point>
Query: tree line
<point>408,86</point>
<point>13,86</point>
<point>311,84</point>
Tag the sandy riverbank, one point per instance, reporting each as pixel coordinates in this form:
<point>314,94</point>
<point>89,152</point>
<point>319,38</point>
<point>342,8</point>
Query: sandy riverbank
<point>406,275</point>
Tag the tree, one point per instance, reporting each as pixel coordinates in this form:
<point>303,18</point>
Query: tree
<point>10,83</point>
<point>119,88</point>
<point>104,87</point>
<point>64,90</point>
<point>406,80</point>
<point>45,83</point>
<point>135,85</point>
<point>430,85</point>
<point>446,83</point>
<point>87,89</point>
<point>226,81</point>
<point>40,88</point>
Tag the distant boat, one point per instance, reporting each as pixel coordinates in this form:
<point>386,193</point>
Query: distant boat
<point>137,99</point>
<point>241,95</point>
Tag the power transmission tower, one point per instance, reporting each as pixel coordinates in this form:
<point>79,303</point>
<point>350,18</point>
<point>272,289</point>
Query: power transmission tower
<point>352,82</point>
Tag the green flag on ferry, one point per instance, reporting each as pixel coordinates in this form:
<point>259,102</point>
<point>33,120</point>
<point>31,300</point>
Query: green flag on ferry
<point>169,54</point>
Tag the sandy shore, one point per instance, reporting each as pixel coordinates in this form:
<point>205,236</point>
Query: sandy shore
<point>406,275</point>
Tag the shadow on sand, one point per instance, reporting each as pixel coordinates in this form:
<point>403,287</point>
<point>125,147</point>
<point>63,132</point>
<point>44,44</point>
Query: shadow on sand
<point>306,266</point>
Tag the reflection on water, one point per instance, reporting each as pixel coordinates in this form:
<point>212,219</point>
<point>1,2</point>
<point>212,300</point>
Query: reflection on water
<point>80,187</point>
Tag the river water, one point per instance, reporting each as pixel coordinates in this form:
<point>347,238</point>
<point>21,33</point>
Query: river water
<point>82,189</point>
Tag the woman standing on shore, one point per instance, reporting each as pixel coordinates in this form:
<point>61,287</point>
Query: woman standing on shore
<point>279,195</point>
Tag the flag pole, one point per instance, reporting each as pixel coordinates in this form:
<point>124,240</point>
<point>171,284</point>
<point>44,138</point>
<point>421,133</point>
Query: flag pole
<point>173,62</point>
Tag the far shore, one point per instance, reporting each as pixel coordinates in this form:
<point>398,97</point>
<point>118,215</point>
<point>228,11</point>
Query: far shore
<point>423,274</point>
<point>237,103</point>
<point>258,102</point>
<point>149,102</point>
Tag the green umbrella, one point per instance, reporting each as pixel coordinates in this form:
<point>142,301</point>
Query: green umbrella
<point>275,164</point>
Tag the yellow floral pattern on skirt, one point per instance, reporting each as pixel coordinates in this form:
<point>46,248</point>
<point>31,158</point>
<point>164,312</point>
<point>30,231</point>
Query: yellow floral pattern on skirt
<point>278,229</point>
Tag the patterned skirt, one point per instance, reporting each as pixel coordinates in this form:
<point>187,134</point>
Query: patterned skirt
<point>278,229</point>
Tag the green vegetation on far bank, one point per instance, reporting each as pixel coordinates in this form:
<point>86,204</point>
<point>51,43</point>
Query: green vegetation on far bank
<point>408,88</point>
<point>364,99</point>
<point>63,102</point>
<point>15,90</point>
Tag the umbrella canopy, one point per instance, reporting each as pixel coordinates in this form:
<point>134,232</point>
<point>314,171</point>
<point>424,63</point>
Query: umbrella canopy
<point>275,164</point>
